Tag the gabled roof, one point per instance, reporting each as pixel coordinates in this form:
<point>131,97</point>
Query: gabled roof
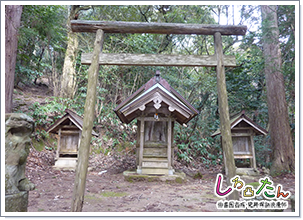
<point>69,116</point>
<point>156,92</point>
<point>240,117</point>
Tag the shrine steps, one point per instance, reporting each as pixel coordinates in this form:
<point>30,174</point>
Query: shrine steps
<point>145,156</point>
<point>155,152</point>
<point>154,161</point>
<point>155,165</point>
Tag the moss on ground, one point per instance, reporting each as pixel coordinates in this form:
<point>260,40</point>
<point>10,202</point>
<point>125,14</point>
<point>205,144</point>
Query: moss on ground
<point>254,184</point>
<point>38,145</point>
<point>113,194</point>
<point>92,197</point>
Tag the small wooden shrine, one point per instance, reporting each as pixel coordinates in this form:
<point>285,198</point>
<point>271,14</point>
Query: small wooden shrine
<point>68,130</point>
<point>243,129</point>
<point>157,106</point>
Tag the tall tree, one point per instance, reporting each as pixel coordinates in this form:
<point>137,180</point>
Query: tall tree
<point>279,128</point>
<point>68,85</point>
<point>41,44</point>
<point>12,24</point>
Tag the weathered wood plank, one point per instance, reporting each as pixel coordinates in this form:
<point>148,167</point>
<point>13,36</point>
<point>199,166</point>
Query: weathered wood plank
<point>68,127</point>
<point>63,132</point>
<point>254,165</point>
<point>139,170</point>
<point>160,119</point>
<point>67,151</point>
<point>59,144</point>
<point>157,60</point>
<point>169,144</point>
<point>243,156</point>
<point>226,138</point>
<point>242,128</point>
<point>243,153</point>
<point>153,152</point>
<point>153,164</point>
<point>79,140</point>
<point>89,107</point>
<point>156,28</point>
<point>241,134</point>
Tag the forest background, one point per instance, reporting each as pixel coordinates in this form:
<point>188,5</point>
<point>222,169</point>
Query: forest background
<point>43,51</point>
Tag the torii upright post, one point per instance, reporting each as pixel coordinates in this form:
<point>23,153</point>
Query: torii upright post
<point>83,154</point>
<point>228,153</point>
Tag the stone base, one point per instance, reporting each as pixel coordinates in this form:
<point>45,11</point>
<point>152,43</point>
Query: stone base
<point>66,164</point>
<point>292,202</point>
<point>133,176</point>
<point>247,171</point>
<point>16,202</point>
<point>156,171</point>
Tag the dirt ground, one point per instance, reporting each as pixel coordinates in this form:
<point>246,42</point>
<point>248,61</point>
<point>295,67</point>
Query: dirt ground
<point>110,192</point>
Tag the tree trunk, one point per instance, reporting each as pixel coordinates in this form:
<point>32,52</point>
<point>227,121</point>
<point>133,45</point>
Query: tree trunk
<point>68,85</point>
<point>228,152</point>
<point>12,24</point>
<point>279,128</point>
<point>83,153</point>
<point>56,78</point>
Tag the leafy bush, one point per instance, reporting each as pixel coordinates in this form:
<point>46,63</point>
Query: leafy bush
<point>46,114</point>
<point>196,148</point>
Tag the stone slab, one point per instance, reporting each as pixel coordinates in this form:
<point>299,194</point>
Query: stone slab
<point>155,171</point>
<point>66,163</point>
<point>132,176</point>
<point>247,171</point>
<point>16,202</point>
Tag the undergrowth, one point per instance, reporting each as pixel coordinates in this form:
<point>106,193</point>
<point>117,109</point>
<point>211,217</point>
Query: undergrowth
<point>116,138</point>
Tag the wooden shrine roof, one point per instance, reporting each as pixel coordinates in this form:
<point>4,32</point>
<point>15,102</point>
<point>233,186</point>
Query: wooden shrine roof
<point>64,121</point>
<point>156,90</point>
<point>240,117</point>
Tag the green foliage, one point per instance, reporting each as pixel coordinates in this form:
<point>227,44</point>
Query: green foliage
<point>46,114</point>
<point>195,148</point>
<point>41,32</point>
<point>41,50</point>
<point>53,109</point>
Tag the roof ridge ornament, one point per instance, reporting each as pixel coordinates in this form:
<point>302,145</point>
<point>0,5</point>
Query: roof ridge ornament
<point>157,100</point>
<point>158,76</point>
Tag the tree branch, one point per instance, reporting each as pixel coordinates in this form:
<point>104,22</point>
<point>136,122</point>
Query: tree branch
<point>144,13</point>
<point>232,43</point>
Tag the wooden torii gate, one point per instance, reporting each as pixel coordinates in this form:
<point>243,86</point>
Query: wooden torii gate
<point>218,60</point>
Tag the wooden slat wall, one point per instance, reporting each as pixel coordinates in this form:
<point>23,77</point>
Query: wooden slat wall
<point>69,144</point>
